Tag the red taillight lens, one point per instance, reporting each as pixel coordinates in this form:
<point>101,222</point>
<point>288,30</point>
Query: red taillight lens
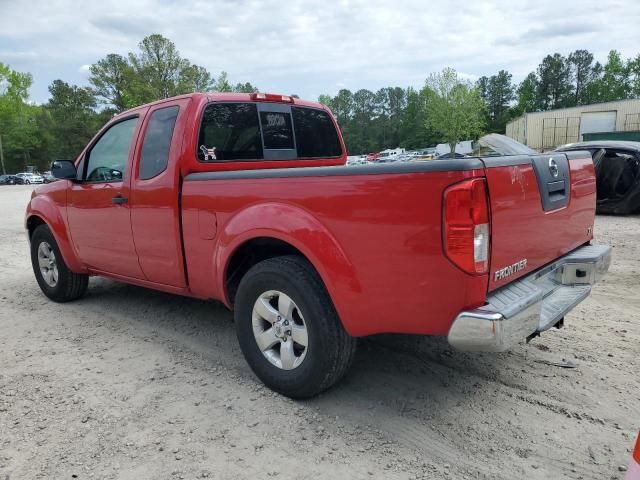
<point>466,225</point>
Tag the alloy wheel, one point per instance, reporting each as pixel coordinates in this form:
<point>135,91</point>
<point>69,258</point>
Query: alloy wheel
<point>48,264</point>
<point>279,330</point>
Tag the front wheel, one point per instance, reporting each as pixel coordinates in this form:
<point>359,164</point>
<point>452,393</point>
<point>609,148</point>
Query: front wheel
<point>53,276</point>
<point>288,329</point>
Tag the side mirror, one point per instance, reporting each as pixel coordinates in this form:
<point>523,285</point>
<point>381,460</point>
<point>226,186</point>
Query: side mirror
<point>64,169</point>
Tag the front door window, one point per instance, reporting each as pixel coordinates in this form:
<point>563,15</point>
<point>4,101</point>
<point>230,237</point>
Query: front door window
<point>108,158</point>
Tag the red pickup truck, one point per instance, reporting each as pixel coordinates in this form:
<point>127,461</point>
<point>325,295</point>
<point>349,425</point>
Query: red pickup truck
<point>245,199</point>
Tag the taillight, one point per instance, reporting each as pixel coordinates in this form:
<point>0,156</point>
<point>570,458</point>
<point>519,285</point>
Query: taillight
<point>466,225</point>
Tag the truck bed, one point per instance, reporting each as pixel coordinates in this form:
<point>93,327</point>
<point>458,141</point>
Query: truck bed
<point>372,232</point>
<point>380,250</point>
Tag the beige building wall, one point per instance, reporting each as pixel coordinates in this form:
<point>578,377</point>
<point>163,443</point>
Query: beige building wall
<point>547,130</point>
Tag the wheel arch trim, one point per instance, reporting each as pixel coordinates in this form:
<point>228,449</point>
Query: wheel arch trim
<point>296,227</point>
<point>50,215</point>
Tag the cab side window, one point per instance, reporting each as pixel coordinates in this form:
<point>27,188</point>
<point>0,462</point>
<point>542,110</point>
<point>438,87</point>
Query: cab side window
<point>157,142</point>
<point>107,159</point>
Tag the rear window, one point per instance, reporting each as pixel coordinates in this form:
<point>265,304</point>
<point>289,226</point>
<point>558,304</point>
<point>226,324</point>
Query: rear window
<point>230,131</point>
<point>246,131</point>
<point>316,135</point>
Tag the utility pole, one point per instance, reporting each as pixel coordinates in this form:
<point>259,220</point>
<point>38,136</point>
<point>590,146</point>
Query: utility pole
<point>2,157</point>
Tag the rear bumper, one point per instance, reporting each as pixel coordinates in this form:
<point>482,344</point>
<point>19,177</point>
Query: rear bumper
<point>531,304</point>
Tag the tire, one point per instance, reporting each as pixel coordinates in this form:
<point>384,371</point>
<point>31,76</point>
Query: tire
<point>329,351</point>
<point>63,285</point>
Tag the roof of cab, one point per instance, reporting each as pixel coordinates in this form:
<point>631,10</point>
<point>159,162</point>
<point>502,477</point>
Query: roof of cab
<point>221,97</point>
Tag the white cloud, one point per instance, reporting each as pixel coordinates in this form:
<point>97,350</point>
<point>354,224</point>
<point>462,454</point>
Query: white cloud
<point>312,46</point>
<point>84,68</point>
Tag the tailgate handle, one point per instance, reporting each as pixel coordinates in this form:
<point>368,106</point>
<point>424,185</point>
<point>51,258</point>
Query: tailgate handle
<point>554,183</point>
<point>556,188</point>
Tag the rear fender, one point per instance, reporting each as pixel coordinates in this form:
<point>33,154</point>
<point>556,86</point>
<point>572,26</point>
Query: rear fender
<point>301,230</point>
<point>43,207</point>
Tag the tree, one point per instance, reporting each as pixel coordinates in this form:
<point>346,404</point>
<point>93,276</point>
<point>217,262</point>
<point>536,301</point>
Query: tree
<point>194,78</point>
<point>415,132</point>
<point>248,88</point>
<point>14,86</point>
<point>396,104</point>
<point>482,84</point>
<point>634,76</point>
<point>554,85</point>
<point>161,68</point>
<point>454,108</point>
<point>325,99</point>
<point>222,83</point>
<point>498,94</point>
<point>155,72</point>
<point>581,70</point>
<point>362,135</point>
<point>527,94</point>
<point>613,80</point>
<point>380,115</point>
<point>18,120</point>
<point>342,106</point>
<point>112,79</point>
<point>73,118</point>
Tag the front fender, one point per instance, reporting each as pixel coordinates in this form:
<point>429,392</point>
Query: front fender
<point>300,229</point>
<point>50,209</point>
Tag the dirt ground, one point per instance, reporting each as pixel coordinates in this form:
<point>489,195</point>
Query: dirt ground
<point>134,384</point>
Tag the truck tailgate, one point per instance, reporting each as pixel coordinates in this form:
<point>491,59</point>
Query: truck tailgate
<point>542,206</point>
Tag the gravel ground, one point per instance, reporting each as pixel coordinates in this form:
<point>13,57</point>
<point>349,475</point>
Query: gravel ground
<point>131,383</point>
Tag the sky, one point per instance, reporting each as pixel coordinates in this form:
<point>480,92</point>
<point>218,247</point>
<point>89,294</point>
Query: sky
<point>311,47</point>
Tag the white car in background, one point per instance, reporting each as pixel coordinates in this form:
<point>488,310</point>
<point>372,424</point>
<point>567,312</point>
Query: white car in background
<point>30,177</point>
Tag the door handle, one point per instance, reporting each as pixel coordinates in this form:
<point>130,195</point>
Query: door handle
<point>119,199</point>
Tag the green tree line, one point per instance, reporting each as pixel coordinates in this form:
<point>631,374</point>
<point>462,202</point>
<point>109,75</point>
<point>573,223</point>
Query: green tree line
<point>34,135</point>
<point>393,116</point>
<point>446,109</point>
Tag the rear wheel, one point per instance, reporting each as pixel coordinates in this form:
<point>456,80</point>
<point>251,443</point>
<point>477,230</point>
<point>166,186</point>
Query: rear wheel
<point>53,276</point>
<point>288,329</point>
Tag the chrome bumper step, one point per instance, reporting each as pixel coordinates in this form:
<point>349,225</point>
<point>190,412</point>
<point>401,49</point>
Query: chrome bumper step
<point>559,303</point>
<point>531,304</point>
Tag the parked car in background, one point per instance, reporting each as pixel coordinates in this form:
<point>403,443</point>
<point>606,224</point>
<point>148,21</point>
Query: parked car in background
<point>357,160</point>
<point>48,177</point>
<point>245,198</point>
<point>29,178</point>
<point>446,156</point>
<point>14,180</point>
<point>7,180</point>
<point>617,165</point>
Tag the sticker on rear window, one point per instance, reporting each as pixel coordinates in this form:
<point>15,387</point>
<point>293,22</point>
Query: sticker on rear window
<point>209,153</point>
